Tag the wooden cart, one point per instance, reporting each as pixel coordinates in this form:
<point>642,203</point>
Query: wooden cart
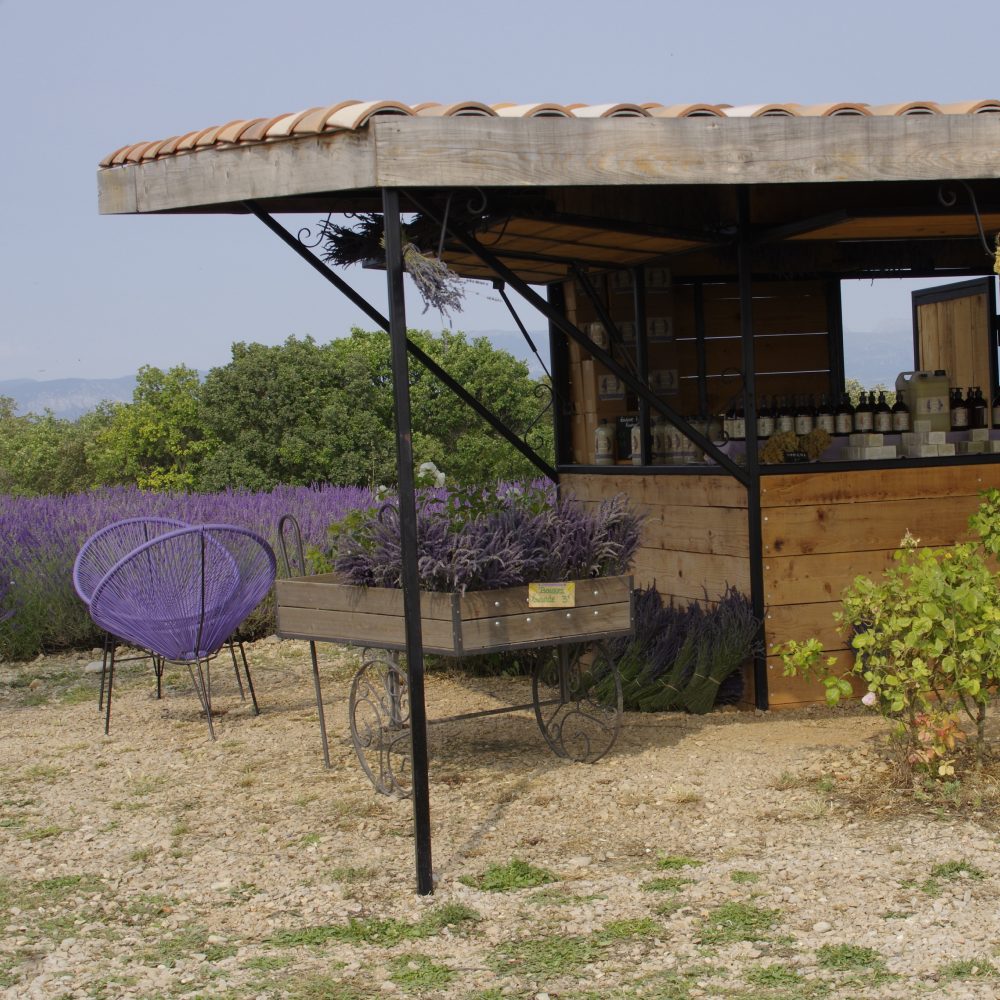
<point>576,692</point>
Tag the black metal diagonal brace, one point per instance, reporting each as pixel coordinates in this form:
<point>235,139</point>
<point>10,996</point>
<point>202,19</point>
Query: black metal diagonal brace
<point>429,363</point>
<point>571,331</point>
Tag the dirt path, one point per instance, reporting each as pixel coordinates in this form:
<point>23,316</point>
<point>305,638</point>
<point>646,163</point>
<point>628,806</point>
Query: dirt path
<point>705,857</point>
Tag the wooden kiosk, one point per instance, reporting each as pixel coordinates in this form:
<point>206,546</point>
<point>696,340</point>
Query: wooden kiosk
<point>708,242</point>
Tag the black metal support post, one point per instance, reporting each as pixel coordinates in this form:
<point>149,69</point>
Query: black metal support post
<point>744,264</point>
<point>418,355</point>
<point>641,357</point>
<point>559,362</point>
<point>699,344</point>
<point>835,338</point>
<point>408,530</point>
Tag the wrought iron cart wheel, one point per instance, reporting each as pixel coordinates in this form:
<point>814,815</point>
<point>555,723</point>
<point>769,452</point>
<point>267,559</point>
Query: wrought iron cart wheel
<point>379,709</point>
<point>577,692</point>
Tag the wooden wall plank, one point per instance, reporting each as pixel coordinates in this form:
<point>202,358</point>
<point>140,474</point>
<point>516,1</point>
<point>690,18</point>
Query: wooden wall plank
<point>795,692</point>
<point>834,486</point>
<point>804,621</point>
<point>849,527</point>
<point>665,489</point>
<point>691,575</point>
<point>812,579</point>
<point>718,530</point>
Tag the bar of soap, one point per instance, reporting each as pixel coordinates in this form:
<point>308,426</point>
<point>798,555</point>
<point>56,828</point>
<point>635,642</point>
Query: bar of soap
<point>921,450</point>
<point>865,440</point>
<point>937,437</point>
<point>887,451</point>
<point>850,454</point>
<point>979,434</point>
<point>914,437</point>
<point>921,425</point>
<point>972,447</point>
<point>993,447</point>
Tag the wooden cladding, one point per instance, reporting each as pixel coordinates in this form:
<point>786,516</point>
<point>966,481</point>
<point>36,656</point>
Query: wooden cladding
<point>695,537</point>
<point>822,529</point>
<point>693,333</point>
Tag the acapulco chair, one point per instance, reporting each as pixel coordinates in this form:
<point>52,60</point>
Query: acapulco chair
<point>181,595</point>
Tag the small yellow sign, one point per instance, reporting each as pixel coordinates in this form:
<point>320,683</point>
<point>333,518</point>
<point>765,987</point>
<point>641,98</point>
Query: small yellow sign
<point>552,595</point>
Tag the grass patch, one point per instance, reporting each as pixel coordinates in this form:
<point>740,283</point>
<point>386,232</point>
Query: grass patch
<point>737,922</point>
<point>384,932</point>
<point>958,869</point>
<point>546,957</point>
<point>668,883</point>
<point>185,943</point>
<point>418,973</point>
<point>268,963</point>
<point>319,987</point>
<point>774,977</point>
<point>516,874</point>
<point>557,896</point>
<point>848,958</point>
<point>42,833</point>
<point>623,930</point>
<point>674,862</point>
<point>744,878</point>
<point>968,968</point>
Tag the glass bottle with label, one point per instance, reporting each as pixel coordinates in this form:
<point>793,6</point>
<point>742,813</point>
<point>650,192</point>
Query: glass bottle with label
<point>978,411</point>
<point>844,417</point>
<point>864,415</point>
<point>883,416</point>
<point>900,415</point>
<point>959,411</point>
<point>825,417</point>
<point>635,443</point>
<point>738,430</point>
<point>785,419</point>
<point>765,420</point>
<point>805,416</point>
<point>604,444</point>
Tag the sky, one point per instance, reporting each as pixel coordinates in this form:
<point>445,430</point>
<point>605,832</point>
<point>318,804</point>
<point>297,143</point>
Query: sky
<point>91,296</point>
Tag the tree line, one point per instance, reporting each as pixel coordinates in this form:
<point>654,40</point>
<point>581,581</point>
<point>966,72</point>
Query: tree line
<point>296,413</point>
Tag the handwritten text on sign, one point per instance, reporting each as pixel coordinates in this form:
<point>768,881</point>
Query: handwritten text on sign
<point>552,595</point>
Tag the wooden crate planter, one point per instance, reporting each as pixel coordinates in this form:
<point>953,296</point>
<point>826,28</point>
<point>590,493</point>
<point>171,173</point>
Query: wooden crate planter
<point>320,607</point>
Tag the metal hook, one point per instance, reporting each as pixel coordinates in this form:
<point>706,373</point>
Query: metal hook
<point>949,199</point>
<point>305,233</point>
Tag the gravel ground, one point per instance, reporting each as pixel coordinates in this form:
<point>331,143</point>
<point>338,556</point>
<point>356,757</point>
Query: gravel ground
<point>722,856</point>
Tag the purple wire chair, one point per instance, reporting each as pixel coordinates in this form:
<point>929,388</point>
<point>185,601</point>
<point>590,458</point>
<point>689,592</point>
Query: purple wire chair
<point>99,554</point>
<point>181,595</point>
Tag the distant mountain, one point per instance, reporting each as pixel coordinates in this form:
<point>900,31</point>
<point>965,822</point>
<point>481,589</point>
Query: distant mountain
<point>68,398</point>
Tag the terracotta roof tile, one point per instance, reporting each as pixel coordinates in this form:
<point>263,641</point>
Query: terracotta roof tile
<point>352,114</point>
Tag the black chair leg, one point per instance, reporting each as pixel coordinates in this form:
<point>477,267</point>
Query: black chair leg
<point>111,680</point>
<point>158,664</point>
<point>104,669</point>
<point>319,705</point>
<point>246,670</point>
<point>204,694</point>
<point>236,668</point>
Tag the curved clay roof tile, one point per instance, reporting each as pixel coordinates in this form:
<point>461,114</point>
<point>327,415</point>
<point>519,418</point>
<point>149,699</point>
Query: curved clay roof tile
<point>134,154</point>
<point>610,111</point>
<point>172,145</point>
<point>110,158</point>
<point>211,135</point>
<point>461,109</point>
<point>764,111</point>
<point>154,149</point>
<point>281,126</point>
<point>532,111</point>
<point>971,108</point>
<point>843,109</point>
<point>911,108</point>
<point>355,116</point>
<point>315,121</point>
<point>688,111</point>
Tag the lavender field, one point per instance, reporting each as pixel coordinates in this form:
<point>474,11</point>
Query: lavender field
<point>40,537</point>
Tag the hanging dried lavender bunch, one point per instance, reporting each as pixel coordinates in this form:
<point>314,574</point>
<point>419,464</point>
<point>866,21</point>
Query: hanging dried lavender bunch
<point>437,284</point>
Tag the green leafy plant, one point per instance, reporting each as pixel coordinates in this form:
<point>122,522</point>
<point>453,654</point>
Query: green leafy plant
<point>927,643</point>
<point>516,874</point>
